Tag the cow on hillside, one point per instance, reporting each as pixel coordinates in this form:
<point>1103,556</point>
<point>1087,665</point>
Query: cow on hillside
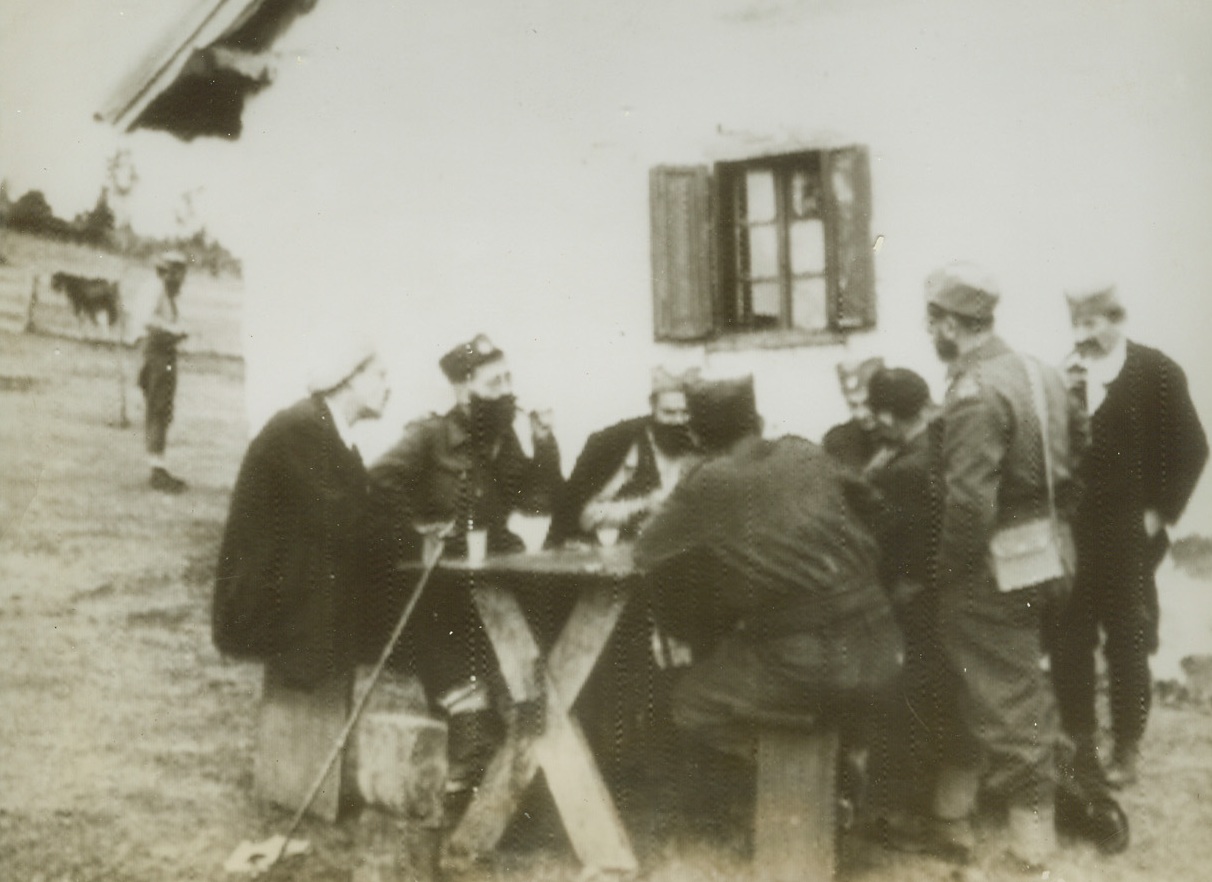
<point>90,297</point>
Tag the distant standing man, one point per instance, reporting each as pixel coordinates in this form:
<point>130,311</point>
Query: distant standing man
<point>993,477</point>
<point>159,326</point>
<point>1147,452</point>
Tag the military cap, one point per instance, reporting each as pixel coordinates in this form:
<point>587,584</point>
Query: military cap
<point>461,362</point>
<point>1090,300</point>
<point>854,375</point>
<point>331,365</point>
<point>722,410</point>
<point>898,391</point>
<point>665,380</point>
<point>964,289</point>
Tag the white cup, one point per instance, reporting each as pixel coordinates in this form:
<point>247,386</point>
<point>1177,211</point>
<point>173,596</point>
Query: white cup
<point>608,536</point>
<point>477,546</point>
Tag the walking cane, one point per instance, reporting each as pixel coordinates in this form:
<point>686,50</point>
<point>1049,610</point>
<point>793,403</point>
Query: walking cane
<point>360,705</point>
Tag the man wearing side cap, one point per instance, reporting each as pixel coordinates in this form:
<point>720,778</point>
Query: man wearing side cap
<point>464,470</point>
<point>778,540</point>
<point>158,324</point>
<point>1147,452</point>
<point>293,585</point>
<point>994,477</point>
<point>857,440</point>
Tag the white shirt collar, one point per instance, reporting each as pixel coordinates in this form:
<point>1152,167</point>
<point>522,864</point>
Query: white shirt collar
<point>1106,368</point>
<point>340,424</point>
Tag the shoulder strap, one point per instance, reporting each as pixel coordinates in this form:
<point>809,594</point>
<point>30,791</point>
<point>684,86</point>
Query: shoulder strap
<point>1041,414</point>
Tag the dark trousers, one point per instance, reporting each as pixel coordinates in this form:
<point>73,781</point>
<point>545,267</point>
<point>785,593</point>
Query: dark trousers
<point>839,679</point>
<point>158,380</point>
<point>994,646</point>
<point>922,721</point>
<point>1122,601</point>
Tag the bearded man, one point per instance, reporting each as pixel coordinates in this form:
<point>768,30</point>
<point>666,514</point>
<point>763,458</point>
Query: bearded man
<point>628,469</point>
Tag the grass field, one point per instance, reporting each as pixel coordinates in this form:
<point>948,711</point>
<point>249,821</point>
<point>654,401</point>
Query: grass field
<point>126,741</point>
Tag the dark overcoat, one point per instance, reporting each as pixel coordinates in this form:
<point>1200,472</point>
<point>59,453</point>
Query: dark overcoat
<point>1147,451</point>
<point>294,561</point>
<point>601,458</point>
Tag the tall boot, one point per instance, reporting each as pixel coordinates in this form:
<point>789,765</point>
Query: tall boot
<point>473,738</point>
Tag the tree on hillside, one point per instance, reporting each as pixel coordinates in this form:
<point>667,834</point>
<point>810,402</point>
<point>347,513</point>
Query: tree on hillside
<point>96,227</point>
<point>33,213</point>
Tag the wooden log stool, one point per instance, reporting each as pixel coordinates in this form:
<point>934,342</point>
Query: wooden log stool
<point>401,776</point>
<point>794,819</point>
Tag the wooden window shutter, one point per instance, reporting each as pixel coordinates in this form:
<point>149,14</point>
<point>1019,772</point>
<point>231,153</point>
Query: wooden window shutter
<point>847,178</point>
<point>680,204</point>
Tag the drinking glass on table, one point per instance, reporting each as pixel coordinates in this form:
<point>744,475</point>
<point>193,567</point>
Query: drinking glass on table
<point>607,536</point>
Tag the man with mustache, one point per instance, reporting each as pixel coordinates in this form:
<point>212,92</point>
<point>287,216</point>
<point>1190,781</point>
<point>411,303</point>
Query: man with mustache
<point>1147,452</point>
<point>460,471</point>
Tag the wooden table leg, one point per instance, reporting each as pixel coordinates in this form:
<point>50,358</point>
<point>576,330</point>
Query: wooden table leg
<point>795,828</point>
<point>593,825</point>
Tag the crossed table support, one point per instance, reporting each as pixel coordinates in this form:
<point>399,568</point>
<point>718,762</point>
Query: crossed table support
<point>549,683</point>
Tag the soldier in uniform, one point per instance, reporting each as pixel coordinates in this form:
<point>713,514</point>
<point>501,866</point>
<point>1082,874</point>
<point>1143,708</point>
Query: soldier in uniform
<point>993,476</point>
<point>463,470</point>
<point>158,324</point>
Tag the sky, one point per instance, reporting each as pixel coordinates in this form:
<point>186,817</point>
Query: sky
<point>58,62</point>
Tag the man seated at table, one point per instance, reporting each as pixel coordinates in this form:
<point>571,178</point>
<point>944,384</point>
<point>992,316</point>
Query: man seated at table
<point>466,469</point>
<point>776,536</point>
<point>626,470</point>
<point>620,479</point>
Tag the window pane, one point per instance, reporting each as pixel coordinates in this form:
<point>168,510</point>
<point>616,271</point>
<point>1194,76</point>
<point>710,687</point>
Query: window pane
<point>763,252</point>
<point>805,194</point>
<point>808,304</point>
<point>759,193</point>
<point>808,246</point>
<point>765,304</point>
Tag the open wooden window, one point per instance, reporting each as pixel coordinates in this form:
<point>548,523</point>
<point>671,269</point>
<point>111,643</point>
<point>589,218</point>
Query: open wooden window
<point>774,249</point>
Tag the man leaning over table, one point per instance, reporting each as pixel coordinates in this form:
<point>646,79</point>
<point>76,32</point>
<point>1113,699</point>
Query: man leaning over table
<point>778,541</point>
<point>463,470</point>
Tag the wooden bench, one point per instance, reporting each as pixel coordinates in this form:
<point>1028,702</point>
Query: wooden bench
<point>794,820</point>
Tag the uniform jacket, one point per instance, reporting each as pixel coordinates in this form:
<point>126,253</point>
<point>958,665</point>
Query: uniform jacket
<point>601,459</point>
<point>783,532</point>
<point>1147,451</point>
<point>292,568</point>
<point>438,472</point>
<point>992,460</point>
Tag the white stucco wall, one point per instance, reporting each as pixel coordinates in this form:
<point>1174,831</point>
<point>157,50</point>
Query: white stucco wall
<point>443,169</point>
